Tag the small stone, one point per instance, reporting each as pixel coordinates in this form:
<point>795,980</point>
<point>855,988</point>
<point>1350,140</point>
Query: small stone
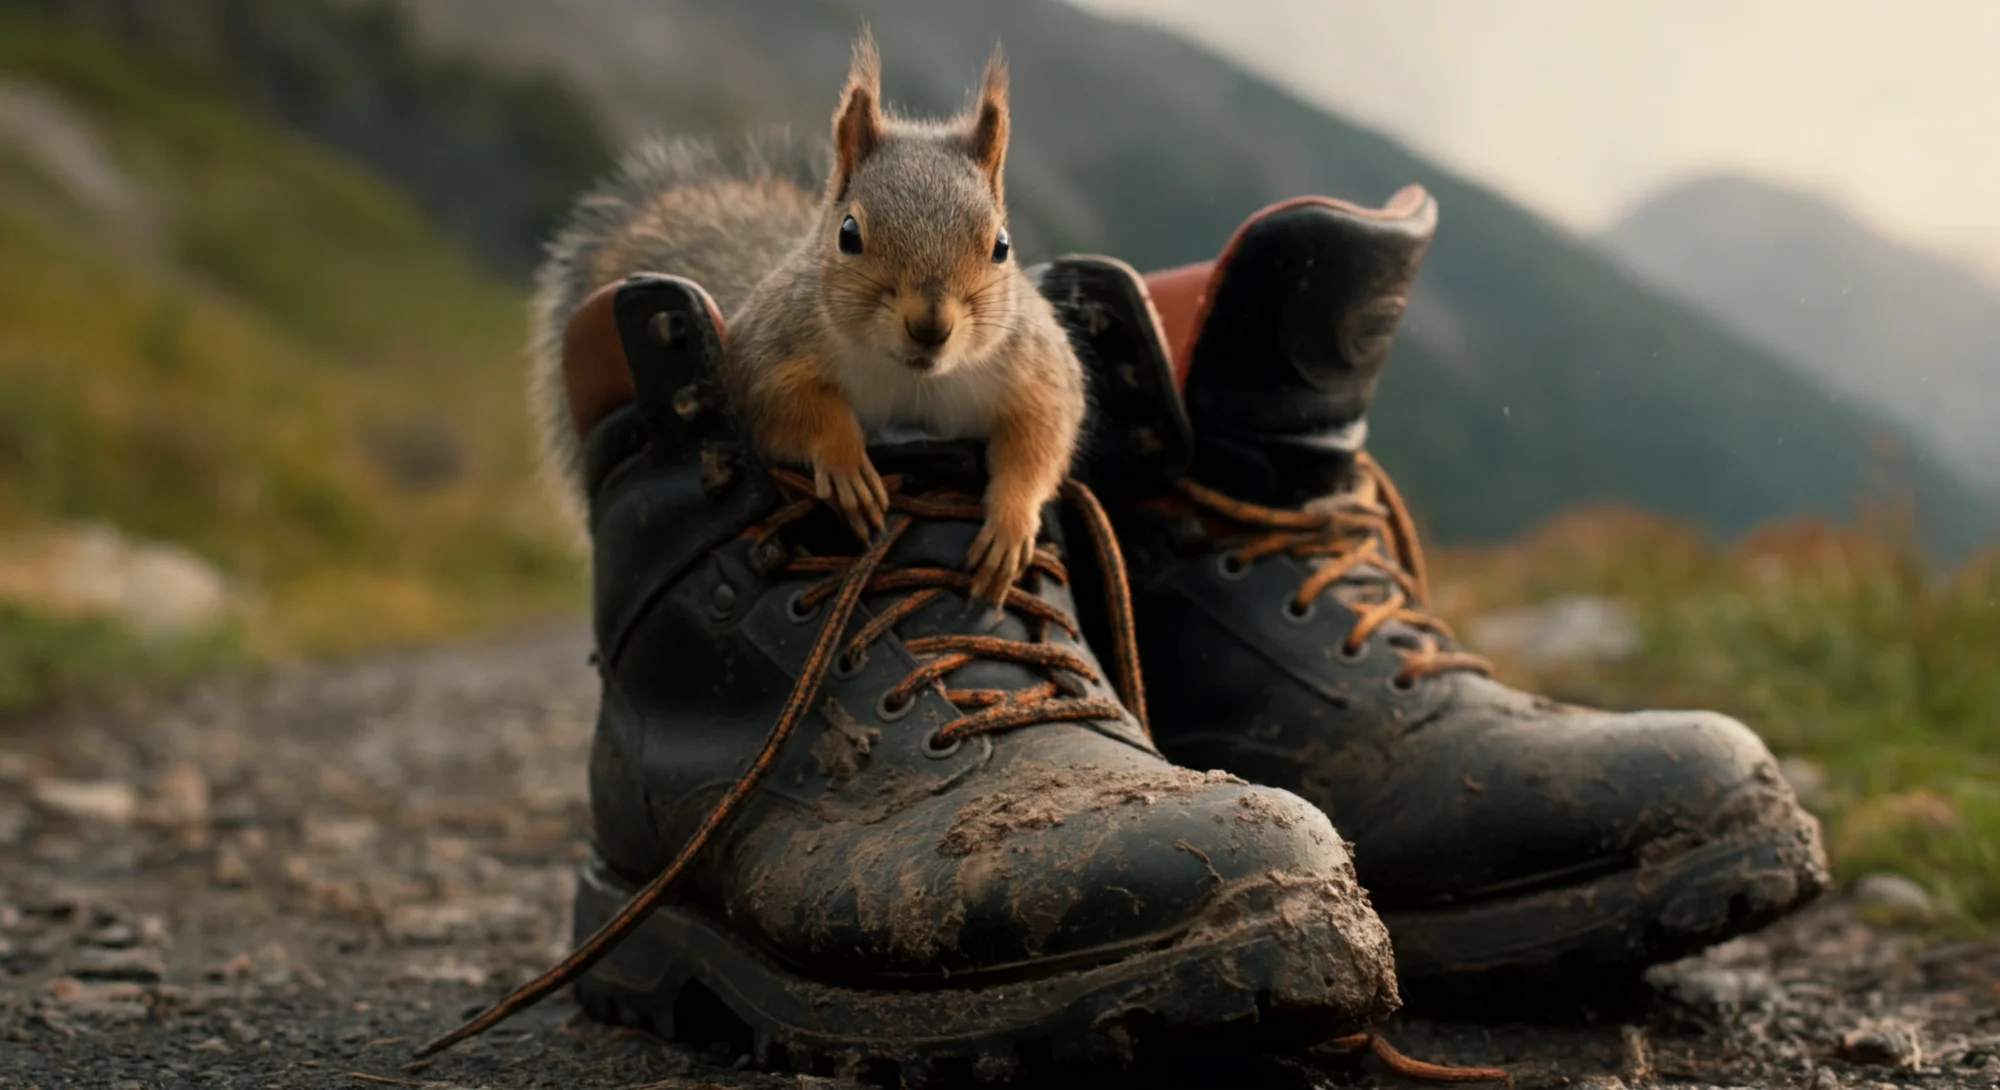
<point>212,1044</point>
<point>349,835</point>
<point>236,968</point>
<point>243,1033</point>
<point>97,800</point>
<point>138,965</point>
<point>115,936</point>
<point>446,971</point>
<point>1893,898</point>
<point>181,798</point>
<point>153,931</point>
<point>1885,1043</point>
<point>231,870</point>
<point>1717,987</point>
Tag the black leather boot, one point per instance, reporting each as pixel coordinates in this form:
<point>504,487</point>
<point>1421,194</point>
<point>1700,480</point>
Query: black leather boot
<point>957,851</point>
<point>1279,590</point>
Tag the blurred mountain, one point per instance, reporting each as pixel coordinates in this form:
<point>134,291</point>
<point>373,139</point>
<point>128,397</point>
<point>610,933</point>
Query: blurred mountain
<point>1535,375</point>
<point>218,334</point>
<point>1884,325</point>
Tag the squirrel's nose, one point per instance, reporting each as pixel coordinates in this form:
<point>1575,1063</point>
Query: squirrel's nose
<point>929,333</point>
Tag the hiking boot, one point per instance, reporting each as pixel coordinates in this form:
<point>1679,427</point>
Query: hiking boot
<point>947,845</point>
<point>1279,592</point>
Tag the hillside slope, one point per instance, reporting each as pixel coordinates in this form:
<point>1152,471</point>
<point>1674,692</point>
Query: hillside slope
<point>1537,374</point>
<point>258,352</point>
<point>1880,323</point>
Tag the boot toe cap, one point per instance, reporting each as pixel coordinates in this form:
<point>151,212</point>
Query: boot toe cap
<point>1060,866</point>
<point>1567,794</point>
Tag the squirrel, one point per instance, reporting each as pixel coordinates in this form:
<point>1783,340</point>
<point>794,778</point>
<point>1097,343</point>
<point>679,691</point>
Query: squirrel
<point>891,298</point>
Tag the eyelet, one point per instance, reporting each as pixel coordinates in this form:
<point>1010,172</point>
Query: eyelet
<point>939,752</point>
<point>888,714</point>
<point>1296,615</point>
<point>794,608</point>
<point>1231,567</point>
<point>1395,684</point>
<point>1354,656</point>
<point>846,666</point>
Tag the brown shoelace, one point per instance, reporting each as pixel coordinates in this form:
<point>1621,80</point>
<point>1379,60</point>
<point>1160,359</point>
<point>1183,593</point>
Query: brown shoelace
<point>1346,534</point>
<point>845,581</point>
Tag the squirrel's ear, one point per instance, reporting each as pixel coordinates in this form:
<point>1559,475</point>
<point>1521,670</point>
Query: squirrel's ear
<point>990,121</point>
<point>857,125</point>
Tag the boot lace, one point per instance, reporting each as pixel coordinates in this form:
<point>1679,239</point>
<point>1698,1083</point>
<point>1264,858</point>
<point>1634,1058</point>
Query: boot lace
<point>1345,536</point>
<point>844,581</point>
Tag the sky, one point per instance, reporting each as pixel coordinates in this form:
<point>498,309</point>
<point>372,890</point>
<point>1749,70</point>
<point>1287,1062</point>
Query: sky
<point>1581,108</point>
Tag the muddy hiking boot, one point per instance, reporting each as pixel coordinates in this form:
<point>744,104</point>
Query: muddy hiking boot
<point>946,847</point>
<point>1279,592</point>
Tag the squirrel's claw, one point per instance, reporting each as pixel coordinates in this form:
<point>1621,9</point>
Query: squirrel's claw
<point>858,494</point>
<point>997,562</point>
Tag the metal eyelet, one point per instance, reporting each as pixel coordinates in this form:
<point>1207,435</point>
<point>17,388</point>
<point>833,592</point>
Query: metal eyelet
<point>722,600</point>
<point>1396,684</point>
<point>1354,656</point>
<point>1231,567</point>
<point>1296,615</point>
<point>846,666</point>
<point>795,610</point>
<point>888,714</point>
<point>939,752</point>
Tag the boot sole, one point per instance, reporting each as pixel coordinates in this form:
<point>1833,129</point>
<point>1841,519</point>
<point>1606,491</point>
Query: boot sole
<point>1603,933</point>
<point>1276,977</point>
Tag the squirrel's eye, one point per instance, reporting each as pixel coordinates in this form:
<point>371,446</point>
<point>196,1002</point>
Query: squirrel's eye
<point>850,236</point>
<point>1000,247</point>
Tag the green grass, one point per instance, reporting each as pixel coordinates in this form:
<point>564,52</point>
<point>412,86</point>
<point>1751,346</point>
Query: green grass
<point>41,657</point>
<point>1846,647</point>
<point>249,378</point>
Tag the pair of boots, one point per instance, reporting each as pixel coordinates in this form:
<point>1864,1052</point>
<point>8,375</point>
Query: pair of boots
<point>975,843</point>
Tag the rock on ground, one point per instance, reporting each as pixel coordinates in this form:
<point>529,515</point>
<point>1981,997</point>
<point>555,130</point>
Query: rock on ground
<point>296,879</point>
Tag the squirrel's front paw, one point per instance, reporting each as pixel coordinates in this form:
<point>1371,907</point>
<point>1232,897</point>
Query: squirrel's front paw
<point>1001,553</point>
<point>856,489</point>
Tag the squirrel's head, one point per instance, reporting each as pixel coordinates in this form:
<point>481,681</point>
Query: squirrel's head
<point>914,250</point>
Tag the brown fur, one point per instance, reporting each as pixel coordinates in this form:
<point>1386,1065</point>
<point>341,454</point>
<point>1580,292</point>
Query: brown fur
<point>921,329</point>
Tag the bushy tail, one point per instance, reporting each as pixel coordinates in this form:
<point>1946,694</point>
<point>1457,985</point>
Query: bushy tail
<point>679,206</point>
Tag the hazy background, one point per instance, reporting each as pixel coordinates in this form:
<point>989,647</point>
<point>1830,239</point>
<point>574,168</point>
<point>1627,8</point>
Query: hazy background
<point>1582,110</point>
<point>1695,400</point>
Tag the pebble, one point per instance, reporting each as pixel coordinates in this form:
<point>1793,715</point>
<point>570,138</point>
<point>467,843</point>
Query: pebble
<point>100,800</point>
<point>101,964</point>
<point>243,1033</point>
<point>212,1044</point>
<point>1894,898</point>
<point>1887,1043</point>
<point>181,798</point>
<point>1715,986</point>
<point>351,835</point>
<point>231,870</point>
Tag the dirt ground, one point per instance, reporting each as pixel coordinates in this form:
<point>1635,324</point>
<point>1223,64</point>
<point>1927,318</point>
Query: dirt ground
<point>291,880</point>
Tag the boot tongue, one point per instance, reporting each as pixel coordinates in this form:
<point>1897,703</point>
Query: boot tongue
<point>1284,356</point>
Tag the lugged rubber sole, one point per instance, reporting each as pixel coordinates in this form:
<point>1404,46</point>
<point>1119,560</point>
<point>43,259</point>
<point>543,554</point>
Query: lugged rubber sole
<point>1606,931</point>
<point>1270,972</point>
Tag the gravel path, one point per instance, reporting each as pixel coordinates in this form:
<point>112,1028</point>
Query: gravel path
<point>291,880</point>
